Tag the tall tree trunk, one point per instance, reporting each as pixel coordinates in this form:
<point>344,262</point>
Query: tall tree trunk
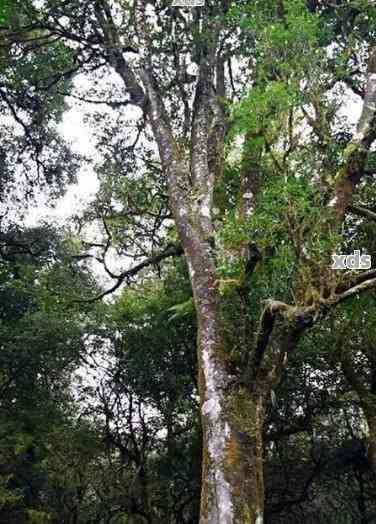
<point>232,417</point>
<point>232,475</point>
<point>232,409</point>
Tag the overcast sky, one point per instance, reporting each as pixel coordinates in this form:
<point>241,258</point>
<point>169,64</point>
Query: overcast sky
<point>78,134</point>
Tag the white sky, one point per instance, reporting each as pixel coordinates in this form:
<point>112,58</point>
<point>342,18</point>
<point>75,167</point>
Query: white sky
<point>78,134</point>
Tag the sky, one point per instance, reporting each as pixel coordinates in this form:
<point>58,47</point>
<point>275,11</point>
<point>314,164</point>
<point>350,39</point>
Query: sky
<point>78,134</point>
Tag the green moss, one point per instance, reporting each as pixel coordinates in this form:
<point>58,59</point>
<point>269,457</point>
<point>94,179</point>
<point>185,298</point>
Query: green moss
<point>351,149</point>
<point>241,409</point>
<point>341,175</point>
<point>243,461</point>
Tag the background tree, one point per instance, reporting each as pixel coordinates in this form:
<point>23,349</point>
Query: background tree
<point>40,348</point>
<point>146,404</point>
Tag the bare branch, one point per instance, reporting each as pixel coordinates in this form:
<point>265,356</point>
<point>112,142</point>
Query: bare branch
<point>170,251</point>
<point>363,212</point>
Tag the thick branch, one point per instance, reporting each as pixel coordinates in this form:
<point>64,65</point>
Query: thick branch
<point>202,177</point>
<point>363,212</point>
<point>357,151</point>
<point>355,280</point>
<point>277,339</point>
<point>172,158</point>
<point>115,54</point>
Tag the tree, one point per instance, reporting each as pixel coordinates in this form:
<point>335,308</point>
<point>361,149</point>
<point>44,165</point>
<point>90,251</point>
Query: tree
<point>147,406</point>
<point>316,464</point>
<point>40,347</point>
<point>281,209</point>
<point>33,156</point>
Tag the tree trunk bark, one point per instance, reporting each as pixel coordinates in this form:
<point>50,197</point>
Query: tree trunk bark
<point>232,420</point>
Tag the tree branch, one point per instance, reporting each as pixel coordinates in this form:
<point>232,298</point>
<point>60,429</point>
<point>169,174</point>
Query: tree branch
<point>293,322</point>
<point>115,54</point>
<point>170,251</point>
<point>357,151</point>
<point>363,212</point>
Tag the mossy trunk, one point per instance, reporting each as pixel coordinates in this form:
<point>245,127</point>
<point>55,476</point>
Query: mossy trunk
<point>232,419</point>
